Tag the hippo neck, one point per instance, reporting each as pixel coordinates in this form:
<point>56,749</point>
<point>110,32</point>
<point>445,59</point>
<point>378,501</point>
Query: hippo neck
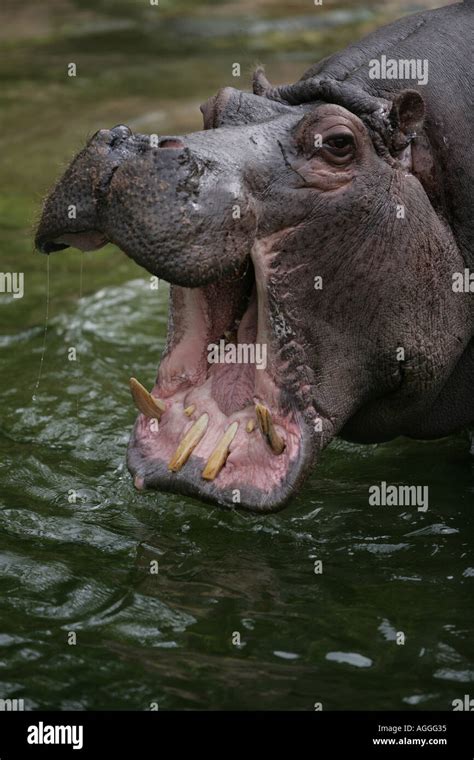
<point>454,407</point>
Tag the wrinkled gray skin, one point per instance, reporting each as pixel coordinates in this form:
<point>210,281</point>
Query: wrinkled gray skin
<point>308,212</point>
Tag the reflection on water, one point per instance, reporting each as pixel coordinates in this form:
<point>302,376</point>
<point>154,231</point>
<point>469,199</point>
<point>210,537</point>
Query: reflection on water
<point>77,542</point>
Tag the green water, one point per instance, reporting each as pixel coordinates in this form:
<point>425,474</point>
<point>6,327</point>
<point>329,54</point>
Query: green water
<point>77,542</point>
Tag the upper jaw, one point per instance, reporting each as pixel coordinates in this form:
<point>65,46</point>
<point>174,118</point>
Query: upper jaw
<point>72,211</point>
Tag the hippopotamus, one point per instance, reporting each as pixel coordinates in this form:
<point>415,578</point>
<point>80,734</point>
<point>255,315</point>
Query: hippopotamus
<point>318,240</point>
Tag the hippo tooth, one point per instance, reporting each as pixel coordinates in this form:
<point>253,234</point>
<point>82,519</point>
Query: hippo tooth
<point>267,429</point>
<point>217,459</point>
<point>189,410</point>
<point>250,426</point>
<point>145,402</point>
<point>188,443</point>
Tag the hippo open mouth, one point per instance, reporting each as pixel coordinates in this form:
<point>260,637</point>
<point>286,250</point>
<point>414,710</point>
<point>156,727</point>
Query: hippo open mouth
<point>217,424</point>
<point>225,431</point>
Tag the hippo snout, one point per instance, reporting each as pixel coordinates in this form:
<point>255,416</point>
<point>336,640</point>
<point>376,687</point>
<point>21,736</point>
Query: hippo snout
<point>77,212</point>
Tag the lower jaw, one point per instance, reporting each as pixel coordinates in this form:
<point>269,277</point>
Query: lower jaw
<point>253,472</point>
<point>265,492</point>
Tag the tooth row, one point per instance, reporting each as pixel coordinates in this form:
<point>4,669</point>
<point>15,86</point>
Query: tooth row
<point>154,408</point>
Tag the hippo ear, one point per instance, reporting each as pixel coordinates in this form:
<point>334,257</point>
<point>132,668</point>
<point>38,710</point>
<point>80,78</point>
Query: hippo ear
<point>260,83</point>
<point>408,112</point>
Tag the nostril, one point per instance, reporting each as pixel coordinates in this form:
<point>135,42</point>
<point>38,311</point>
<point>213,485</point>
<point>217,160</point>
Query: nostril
<point>121,130</point>
<point>171,142</point>
<point>112,136</point>
<point>119,133</point>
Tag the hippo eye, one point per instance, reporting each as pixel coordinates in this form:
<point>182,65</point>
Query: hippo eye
<point>340,145</point>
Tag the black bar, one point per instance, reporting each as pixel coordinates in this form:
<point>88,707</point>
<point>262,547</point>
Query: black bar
<point>313,735</point>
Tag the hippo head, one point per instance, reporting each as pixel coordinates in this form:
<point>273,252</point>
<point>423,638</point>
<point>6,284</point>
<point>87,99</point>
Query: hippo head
<point>310,281</point>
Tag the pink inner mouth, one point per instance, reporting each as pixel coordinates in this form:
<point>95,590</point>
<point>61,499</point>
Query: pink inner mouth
<point>220,314</point>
